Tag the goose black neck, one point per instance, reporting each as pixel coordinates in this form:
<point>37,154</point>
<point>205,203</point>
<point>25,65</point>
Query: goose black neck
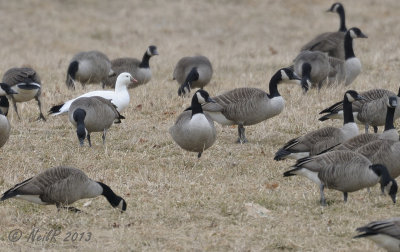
<point>273,85</point>
<point>112,198</point>
<point>381,171</point>
<point>342,17</point>
<point>348,46</point>
<point>145,61</point>
<point>347,111</point>
<point>196,106</point>
<point>389,119</point>
<point>79,117</point>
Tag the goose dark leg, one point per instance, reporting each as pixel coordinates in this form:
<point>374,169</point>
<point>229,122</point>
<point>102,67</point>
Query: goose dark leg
<point>72,209</point>
<point>242,137</point>
<point>375,129</point>
<point>88,138</point>
<point>366,128</point>
<point>104,136</point>
<point>199,155</point>
<point>321,191</point>
<point>41,116</point>
<point>15,106</point>
<point>345,194</point>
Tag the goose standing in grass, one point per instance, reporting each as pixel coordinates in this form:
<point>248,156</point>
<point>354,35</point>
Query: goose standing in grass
<point>249,106</point>
<point>139,69</point>
<point>318,68</point>
<point>193,130</point>
<point>345,171</point>
<point>385,233</point>
<point>27,86</point>
<point>330,42</point>
<point>320,140</point>
<point>92,114</point>
<point>192,72</point>
<point>62,186</point>
<point>390,132</point>
<point>88,67</point>
<point>4,129</point>
<point>119,97</point>
<point>369,111</point>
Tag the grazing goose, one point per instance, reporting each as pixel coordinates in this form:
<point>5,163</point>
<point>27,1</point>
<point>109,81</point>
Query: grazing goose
<point>370,111</point>
<point>26,83</point>
<point>62,186</point>
<point>385,233</point>
<point>4,129</point>
<point>92,114</point>
<point>390,133</point>
<point>119,97</point>
<point>320,140</point>
<point>330,42</point>
<point>385,152</point>
<point>193,130</point>
<point>192,72</point>
<point>249,106</point>
<point>88,67</point>
<point>345,171</point>
<point>139,69</point>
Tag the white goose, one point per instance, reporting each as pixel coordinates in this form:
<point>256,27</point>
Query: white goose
<point>119,97</point>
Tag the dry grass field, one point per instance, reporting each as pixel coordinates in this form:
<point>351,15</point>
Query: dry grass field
<point>177,202</point>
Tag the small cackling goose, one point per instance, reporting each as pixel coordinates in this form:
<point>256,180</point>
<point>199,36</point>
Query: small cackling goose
<point>385,233</point>
<point>92,114</point>
<point>193,130</point>
<point>4,129</point>
<point>88,67</point>
<point>62,186</point>
<point>119,97</point>
<point>139,69</point>
<point>370,111</point>
<point>390,133</point>
<point>27,86</point>
<point>330,42</point>
<point>192,72</point>
<point>249,106</point>
<point>345,171</point>
<point>320,140</point>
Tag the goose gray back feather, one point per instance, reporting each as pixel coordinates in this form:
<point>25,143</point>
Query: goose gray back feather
<point>100,113</point>
<point>329,42</point>
<point>185,65</point>
<point>92,67</point>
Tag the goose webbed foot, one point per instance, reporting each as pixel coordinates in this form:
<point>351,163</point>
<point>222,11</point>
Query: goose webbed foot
<point>69,208</point>
<point>88,138</point>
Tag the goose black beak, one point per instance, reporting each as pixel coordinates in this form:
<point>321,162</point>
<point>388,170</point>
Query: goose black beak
<point>362,35</point>
<point>209,99</point>
<point>393,196</point>
<point>155,52</point>
<point>360,98</point>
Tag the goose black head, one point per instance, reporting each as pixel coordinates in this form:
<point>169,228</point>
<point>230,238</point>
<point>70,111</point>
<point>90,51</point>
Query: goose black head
<point>336,7</point>
<point>115,200</point>
<point>191,77</point>
<point>391,189</point>
<point>356,33</point>
<point>152,50</point>
<point>353,96</point>
<point>201,96</point>
<point>305,76</point>
<point>5,89</point>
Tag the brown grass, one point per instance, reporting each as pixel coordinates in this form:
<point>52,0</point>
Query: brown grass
<point>175,201</point>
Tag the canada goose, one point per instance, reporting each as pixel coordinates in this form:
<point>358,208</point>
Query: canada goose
<point>139,69</point>
<point>370,111</point>
<point>92,114</point>
<point>319,140</point>
<point>385,233</point>
<point>62,186</point>
<point>390,133</point>
<point>192,72</point>
<point>119,97</point>
<point>27,85</point>
<point>330,42</point>
<point>88,67</point>
<point>248,106</point>
<point>345,171</point>
<point>193,130</point>
<point>4,129</point>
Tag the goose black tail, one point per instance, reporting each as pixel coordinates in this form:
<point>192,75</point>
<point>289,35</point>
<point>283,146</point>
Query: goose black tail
<point>281,154</point>
<point>71,74</point>
<point>55,109</point>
